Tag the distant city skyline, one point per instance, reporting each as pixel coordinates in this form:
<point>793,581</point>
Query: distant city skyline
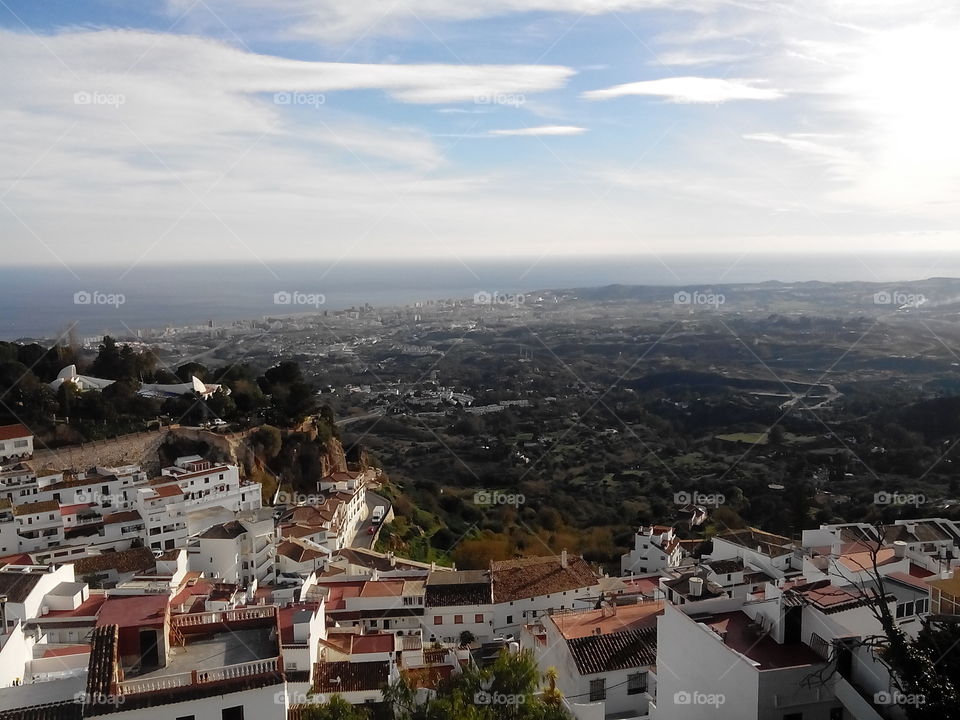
<point>273,131</point>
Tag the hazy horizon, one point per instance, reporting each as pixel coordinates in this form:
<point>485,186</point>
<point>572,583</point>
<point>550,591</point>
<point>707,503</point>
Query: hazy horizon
<point>41,302</point>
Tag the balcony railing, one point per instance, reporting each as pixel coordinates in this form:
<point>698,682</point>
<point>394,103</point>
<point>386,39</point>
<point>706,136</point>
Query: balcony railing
<point>199,677</point>
<point>224,616</point>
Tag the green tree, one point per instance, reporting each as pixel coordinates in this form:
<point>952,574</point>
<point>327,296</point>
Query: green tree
<point>335,709</point>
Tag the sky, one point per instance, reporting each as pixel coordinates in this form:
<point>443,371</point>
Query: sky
<point>278,130</point>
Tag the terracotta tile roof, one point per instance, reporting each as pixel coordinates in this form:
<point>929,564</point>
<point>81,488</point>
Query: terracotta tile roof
<point>37,507</point>
<point>352,676</point>
<point>460,587</point>
<point>120,517</point>
<point>168,491</point>
<point>55,711</point>
<point>133,560</point>
<point>14,432</point>
<point>615,651</point>
<point>298,552</point>
<point>225,531</point>
<point>103,670</point>
<point>531,577</point>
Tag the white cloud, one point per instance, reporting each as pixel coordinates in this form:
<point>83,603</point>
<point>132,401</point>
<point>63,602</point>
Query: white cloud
<point>333,20</point>
<point>689,90</point>
<point>541,130</point>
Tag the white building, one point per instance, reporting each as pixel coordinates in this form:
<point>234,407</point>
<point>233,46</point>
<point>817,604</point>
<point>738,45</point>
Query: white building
<point>525,588</point>
<point>207,486</point>
<point>605,659</point>
<point>655,548</point>
<point>239,551</point>
<point>16,443</point>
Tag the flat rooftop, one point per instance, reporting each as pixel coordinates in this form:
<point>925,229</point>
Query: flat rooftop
<point>626,617</point>
<point>229,647</point>
<point>734,628</point>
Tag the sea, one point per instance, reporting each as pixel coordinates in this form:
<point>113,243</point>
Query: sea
<point>42,303</point>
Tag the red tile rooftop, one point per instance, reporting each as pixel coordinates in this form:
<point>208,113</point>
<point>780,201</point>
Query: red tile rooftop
<point>168,490</point>
<point>734,628</point>
<point>910,579</point>
<point>381,588</point>
<point>338,593</point>
<point>14,432</point>
<point>133,610</point>
<point>863,560</point>
<point>286,616</point>
<point>364,644</point>
<point>642,584</point>
<point>88,608</point>
<point>69,650</point>
<point>919,572</point>
<point>74,509</point>
<point>627,617</point>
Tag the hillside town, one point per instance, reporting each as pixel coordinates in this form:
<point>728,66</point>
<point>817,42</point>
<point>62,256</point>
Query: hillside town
<point>182,595</point>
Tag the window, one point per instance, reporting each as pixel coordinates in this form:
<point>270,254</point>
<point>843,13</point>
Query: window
<point>598,690</point>
<point>836,713</point>
<point>509,619</point>
<point>232,713</point>
<point>793,716</point>
<point>458,619</point>
<point>438,620</point>
<point>636,683</point>
<point>478,618</point>
<point>187,717</point>
<point>373,623</point>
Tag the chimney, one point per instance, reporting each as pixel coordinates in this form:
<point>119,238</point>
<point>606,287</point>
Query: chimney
<point>899,549</point>
<point>563,558</point>
<point>912,528</point>
<point>696,587</point>
<point>393,560</point>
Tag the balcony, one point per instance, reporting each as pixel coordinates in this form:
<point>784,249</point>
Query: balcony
<point>224,616</point>
<point>199,677</point>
